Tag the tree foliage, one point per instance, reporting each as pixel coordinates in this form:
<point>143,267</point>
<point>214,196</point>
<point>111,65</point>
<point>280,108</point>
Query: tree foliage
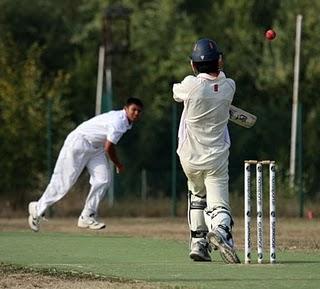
<point>53,48</point>
<point>24,93</point>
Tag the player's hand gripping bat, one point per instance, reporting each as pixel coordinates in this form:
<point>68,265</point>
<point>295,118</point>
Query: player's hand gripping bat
<point>242,117</point>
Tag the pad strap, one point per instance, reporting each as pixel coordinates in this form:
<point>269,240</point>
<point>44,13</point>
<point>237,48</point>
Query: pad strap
<point>218,210</point>
<point>198,234</point>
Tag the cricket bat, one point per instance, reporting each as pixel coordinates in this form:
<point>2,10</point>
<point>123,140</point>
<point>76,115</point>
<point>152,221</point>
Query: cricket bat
<point>242,117</point>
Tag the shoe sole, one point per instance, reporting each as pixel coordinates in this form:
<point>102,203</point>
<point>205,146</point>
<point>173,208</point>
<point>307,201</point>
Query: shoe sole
<point>91,228</point>
<point>32,226</point>
<point>198,258</point>
<point>227,253</point>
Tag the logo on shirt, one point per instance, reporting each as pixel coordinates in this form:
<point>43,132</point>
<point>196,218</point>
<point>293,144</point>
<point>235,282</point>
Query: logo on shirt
<point>216,88</point>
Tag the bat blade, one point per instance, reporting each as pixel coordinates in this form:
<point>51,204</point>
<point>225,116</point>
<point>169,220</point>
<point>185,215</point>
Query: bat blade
<point>242,117</point>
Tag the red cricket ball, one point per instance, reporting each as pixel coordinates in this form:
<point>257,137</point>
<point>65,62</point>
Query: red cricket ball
<point>270,34</point>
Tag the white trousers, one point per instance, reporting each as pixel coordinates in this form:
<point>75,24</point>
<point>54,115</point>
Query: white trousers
<point>76,154</point>
<point>212,186</point>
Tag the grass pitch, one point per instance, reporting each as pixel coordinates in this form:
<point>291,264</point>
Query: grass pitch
<point>164,262</point>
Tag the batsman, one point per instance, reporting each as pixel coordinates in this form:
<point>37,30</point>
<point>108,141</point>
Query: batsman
<point>203,149</point>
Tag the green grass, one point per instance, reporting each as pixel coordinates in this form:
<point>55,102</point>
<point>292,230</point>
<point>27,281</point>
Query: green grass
<point>153,260</point>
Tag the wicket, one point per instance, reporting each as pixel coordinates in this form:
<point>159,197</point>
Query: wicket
<point>247,209</point>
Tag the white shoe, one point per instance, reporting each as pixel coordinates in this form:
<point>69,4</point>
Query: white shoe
<point>90,222</point>
<point>200,252</point>
<point>223,240</point>
<point>34,219</point>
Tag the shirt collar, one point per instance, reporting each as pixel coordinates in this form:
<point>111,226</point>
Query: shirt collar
<point>210,77</point>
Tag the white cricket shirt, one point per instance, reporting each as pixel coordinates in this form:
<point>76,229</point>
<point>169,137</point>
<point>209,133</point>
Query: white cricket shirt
<point>203,133</point>
<point>107,126</point>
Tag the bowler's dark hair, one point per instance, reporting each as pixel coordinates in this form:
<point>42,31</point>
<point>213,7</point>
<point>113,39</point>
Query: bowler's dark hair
<point>207,66</point>
<point>134,100</point>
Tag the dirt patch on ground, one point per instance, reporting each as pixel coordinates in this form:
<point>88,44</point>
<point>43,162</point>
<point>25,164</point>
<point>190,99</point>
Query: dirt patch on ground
<point>36,281</point>
<point>23,280</point>
<point>292,234</point>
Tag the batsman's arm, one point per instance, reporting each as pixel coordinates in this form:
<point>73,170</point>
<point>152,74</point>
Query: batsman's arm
<point>241,117</point>
<point>181,91</point>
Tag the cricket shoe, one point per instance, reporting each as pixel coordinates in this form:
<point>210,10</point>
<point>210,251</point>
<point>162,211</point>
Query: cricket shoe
<point>223,240</point>
<point>34,219</point>
<point>200,251</point>
<point>90,222</point>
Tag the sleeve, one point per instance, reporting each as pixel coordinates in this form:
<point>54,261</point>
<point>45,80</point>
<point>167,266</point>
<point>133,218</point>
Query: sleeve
<point>114,134</point>
<point>232,84</point>
<point>230,89</point>
<point>181,91</point>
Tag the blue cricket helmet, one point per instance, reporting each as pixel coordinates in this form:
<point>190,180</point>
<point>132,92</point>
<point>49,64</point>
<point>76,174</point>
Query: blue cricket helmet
<point>205,50</point>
